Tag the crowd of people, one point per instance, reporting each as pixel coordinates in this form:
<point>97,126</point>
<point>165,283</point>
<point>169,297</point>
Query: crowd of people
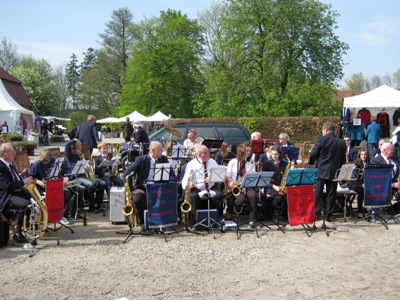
<point>192,174</point>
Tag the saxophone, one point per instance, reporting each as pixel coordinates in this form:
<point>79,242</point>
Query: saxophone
<point>36,214</point>
<point>89,172</point>
<point>186,207</point>
<point>282,188</point>
<point>129,210</point>
<point>235,189</point>
<point>115,168</point>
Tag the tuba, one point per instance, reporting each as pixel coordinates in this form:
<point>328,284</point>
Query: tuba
<point>128,209</point>
<point>186,207</point>
<point>36,215</point>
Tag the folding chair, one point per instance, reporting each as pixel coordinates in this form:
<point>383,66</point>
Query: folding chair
<point>55,205</point>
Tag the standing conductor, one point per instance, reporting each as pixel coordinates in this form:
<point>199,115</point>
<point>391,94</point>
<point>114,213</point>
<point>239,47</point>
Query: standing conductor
<point>329,153</point>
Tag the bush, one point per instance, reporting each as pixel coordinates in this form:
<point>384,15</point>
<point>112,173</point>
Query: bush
<point>58,138</point>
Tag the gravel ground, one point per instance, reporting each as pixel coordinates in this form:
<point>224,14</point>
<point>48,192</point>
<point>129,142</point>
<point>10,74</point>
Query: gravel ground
<point>355,261</point>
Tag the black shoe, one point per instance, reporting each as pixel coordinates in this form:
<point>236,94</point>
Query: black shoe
<point>20,238</point>
<point>328,217</point>
<point>316,217</point>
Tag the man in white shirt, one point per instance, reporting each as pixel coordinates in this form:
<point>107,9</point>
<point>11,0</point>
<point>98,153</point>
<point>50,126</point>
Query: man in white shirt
<point>197,170</point>
<point>192,143</point>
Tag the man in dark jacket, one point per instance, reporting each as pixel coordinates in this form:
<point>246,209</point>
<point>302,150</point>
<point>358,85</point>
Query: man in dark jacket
<point>127,130</point>
<point>88,134</point>
<point>329,154</point>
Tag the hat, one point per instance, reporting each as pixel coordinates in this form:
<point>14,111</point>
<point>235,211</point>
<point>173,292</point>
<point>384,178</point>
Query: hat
<point>135,124</point>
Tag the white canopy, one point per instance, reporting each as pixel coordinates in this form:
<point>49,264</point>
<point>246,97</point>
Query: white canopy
<point>109,120</point>
<point>12,112</point>
<point>52,118</point>
<point>158,116</point>
<point>383,98</point>
<point>134,117</point>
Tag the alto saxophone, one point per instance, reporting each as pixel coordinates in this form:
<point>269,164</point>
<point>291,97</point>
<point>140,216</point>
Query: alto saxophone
<point>186,207</point>
<point>282,188</point>
<point>89,172</point>
<point>129,210</point>
<point>36,214</point>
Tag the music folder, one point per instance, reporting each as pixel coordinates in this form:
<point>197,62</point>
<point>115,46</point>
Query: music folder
<point>257,179</point>
<point>347,172</point>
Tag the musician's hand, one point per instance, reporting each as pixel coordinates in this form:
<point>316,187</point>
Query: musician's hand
<point>28,180</point>
<point>40,183</point>
<point>108,174</point>
<point>66,179</point>
<point>396,185</point>
<point>25,172</point>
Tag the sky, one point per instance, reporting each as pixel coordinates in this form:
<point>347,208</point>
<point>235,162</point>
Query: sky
<point>54,29</point>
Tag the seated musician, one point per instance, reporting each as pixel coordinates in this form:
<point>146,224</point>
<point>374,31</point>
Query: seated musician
<point>386,157</point>
<point>192,143</point>
<point>196,179</point>
<point>143,167</point>
<point>11,194</point>
<point>363,158</point>
<point>351,152</point>
<point>105,173</point>
<point>40,170</point>
<point>265,156</point>
<point>168,147</point>
<point>225,154</point>
<point>284,140</point>
<point>95,187</point>
<point>256,136</point>
<point>275,194</point>
<point>235,171</point>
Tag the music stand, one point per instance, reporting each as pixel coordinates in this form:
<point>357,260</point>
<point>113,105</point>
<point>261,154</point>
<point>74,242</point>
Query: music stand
<point>55,171</point>
<point>79,168</point>
<point>291,152</point>
<point>213,145</point>
<point>301,177</point>
<point>347,172</point>
<point>178,152</point>
<point>162,172</point>
<point>255,180</point>
<point>215,174</point>
<point>377,190</point>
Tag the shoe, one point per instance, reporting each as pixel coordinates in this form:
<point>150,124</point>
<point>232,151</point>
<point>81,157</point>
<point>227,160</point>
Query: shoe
<point>20,238</point>
<point>361,215</point>
<point>252,224</point>
<point>64,221</point>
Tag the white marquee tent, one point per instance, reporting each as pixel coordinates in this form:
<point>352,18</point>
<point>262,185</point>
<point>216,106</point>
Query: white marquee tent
<point>133,117</point>
<point>12,112</point>
<point>158,117</point>
<point>383,98</point>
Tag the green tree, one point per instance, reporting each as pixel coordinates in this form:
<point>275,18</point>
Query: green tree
<point>72,74</point>
<point>260,47</point>
<point>38,80</point>
<point>164,72</point>
<point>102,81</point>
<point>356,83</point>
<point>8,54</point>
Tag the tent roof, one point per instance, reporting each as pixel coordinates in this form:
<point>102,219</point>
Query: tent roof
<point>158,116</point>
<point>109,120</point>
<point>383,96</point>
<point>134,117</point>
<point>15,89</point>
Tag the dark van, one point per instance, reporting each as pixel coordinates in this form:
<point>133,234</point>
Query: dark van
<point>235,133</point>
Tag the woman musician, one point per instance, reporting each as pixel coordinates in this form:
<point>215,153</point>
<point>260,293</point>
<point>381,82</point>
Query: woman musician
<point>275,195</point>
<point>225,154</point>
<point>235,172</point>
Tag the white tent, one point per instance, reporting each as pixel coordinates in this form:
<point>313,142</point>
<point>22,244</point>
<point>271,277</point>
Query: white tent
<point>134,117</point>
<point>109,120</point>
<point>158,116</point>
<point>383,98</point>
<point>12,112</point>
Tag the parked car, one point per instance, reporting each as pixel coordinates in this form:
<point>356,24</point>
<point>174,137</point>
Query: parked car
<point>235,133</point>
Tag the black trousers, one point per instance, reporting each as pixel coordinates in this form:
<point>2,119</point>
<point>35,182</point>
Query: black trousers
<point>20,204</point>
<point>327,202</point>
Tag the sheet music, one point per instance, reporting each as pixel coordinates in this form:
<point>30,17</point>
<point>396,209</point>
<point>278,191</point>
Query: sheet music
<point>56,167</point>
<point>178,151</point>
<point>346,173</point>
<point>79,167</point>
<point>217,174</point>
<point>161,172</point>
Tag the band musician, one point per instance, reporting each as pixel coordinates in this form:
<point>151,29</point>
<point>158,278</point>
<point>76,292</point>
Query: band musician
<point>235,171</point>
<point>11,194</point>
<point>386,157</point>
<point>197,180</point>
<point>95,187</point>
<point>106,173</point>
<point>192,143</point>
<point>275,195</point>
<point>144,167</point>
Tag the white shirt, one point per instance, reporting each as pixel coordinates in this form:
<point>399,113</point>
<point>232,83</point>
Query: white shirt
<point>232,170</point>
<point>195,169</point>
<point>192,147</point>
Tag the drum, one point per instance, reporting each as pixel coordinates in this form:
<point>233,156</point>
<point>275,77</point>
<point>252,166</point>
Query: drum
<point>135,150</point>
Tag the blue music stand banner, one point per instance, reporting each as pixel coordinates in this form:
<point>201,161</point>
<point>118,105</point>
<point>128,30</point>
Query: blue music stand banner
<point>162,204</point>
<point>377,187</point>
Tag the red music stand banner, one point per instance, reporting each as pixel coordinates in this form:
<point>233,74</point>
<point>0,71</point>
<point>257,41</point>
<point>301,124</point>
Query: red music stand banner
<point>55,199</point>
<point>300,204</point>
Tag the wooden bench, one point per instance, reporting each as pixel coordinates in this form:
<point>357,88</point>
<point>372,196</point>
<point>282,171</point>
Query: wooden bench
<point>21,160</point>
